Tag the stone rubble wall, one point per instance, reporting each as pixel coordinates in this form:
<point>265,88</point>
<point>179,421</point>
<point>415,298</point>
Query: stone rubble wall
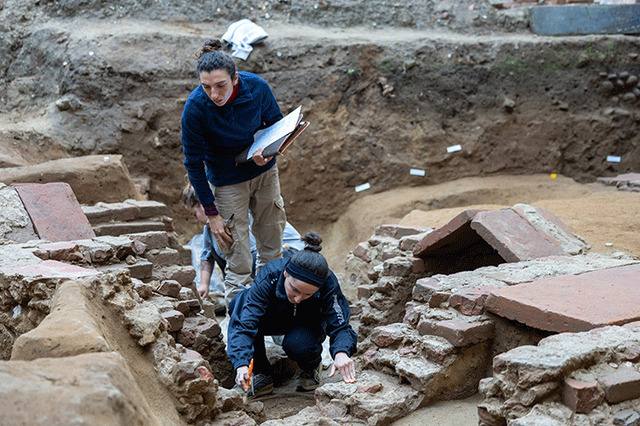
<point>582,378</point>
<point>426,338</point>
<point>128,217</point>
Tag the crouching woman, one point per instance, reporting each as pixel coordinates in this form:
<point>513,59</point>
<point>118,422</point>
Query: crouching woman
<point>300,298</point>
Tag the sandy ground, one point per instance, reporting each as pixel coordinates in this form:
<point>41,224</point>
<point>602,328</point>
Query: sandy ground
<point>598,213</point>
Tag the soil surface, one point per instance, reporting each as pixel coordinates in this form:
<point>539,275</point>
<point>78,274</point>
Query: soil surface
<point>387,86</point>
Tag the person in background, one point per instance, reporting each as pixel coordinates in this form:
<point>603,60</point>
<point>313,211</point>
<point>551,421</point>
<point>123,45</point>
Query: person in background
<point>300,298</point>
<point>291,243</point>
<point>218,122</point>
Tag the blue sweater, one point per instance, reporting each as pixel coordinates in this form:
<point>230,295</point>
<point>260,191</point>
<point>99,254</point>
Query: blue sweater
<point>265,305</point>
<point>214,136</point>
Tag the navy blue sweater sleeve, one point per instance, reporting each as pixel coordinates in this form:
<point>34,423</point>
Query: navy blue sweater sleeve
<point>193,147</point>
<point>249,307</point>
<point>336,311</point>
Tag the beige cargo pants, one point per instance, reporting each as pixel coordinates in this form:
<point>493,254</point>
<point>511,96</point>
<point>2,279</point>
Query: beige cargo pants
<point>262,196</point>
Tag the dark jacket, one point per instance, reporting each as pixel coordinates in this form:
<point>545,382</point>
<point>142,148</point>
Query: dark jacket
<point>214,136</point>
<point>265,306</point>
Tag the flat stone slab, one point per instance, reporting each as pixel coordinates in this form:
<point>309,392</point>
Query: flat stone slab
<point>54,211</point>
<point>51,269</point>
<point>588,19</point>
<point>572,303</point>
<point>15,223</point>
<point>513,236</point>
<point>450,238</point>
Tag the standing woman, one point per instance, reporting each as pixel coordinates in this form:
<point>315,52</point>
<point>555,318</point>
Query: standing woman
<point>218,122</point>
<point>300,298</point>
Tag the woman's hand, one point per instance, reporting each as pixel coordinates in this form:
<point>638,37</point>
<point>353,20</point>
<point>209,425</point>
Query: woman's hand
<point>259,159</point>
<point>220,232</point>
<point>242,377</point>
<point>346,366</point>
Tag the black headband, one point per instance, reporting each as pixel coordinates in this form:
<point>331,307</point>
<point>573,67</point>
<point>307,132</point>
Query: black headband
<point>302,274</point>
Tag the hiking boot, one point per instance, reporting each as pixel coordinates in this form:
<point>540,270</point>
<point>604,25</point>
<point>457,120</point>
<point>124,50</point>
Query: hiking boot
<point>309,380</point>
<point>260,385</point>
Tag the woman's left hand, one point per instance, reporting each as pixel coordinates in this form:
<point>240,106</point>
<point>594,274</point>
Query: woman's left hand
<point>259,159</point>
<point>346,366</point>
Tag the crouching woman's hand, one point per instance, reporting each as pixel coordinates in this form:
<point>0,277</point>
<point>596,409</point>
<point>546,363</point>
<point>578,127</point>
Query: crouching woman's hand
<point>346,366</point>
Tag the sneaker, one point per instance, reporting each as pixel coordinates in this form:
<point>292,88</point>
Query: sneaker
<point>309,380</point>
<point>260,385</point>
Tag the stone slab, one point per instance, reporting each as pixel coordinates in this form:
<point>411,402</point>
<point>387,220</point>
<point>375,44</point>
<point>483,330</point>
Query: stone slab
<point>572,303</point>
<point>15,223</point>
<point>450,238</point>
<point>514,237</point>
<point>588,19</point>
<point>54,211</point>
<point>51,269</point>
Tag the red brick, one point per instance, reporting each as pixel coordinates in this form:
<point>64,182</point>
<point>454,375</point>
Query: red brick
<point>361,251</point>
<point>621,385</point>
<point>582,396</point>
<point>54,211</point>
<point>175,320</point>
<point>458,333</point>
<point>450,238</point>
<point>170,288</point>
<point>388,335</point>
<point>470,301</point>
<point>63,250</point>
<point>572,303</point>
<point>51,269</point>
<point>513,237</point>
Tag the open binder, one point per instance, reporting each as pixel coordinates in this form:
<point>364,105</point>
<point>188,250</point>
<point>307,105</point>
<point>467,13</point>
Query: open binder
<point>276,138</point>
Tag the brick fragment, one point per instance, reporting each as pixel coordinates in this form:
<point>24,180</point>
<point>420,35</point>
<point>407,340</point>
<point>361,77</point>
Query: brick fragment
<point>425,288</point>
<point>458,333</point>
<point>148,208</point>
<point>65,251</point>
<point>470,301</point>
<point>361,251</point>
<point>621,385</point>
<point>450,238</point>
<point>398,231</point>
<point>388,335</point>
<point>170,288</point>
<point>582,396</point>
<point>175,320</point>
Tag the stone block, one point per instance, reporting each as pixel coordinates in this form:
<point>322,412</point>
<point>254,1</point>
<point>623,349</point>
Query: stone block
<point>143,289</point>
<point>450,238</point>
<point>99,253</point>
<point>120,212</point>
<point>54,211</point>
<point>183,274</point>
<point>96,214</point>
<point>152,239</point>
<point>438,299</point>
<point>170,288</point>
<point>389,335</point>
<point>409,242</point>
<point>15,223</point>
<point>122,228</point>
<point>365,291</point>
<point>174,319</point>
<point>141,269</point>
<point>163,257</point>
<point>121,246</point>
<point>470,301</point>
<point>626,418</point>
<point>458,333</point>
<point>425,288</point>
<point>148,208</point>
<point>66,251</point>
<point>397,231</point>
<point>582,396</point>
<point>51,269</point>
<point>402,267</point>
<point>361,251</point>
<point>513,237</point>
<point>621,385</point>
<point>572,302</point>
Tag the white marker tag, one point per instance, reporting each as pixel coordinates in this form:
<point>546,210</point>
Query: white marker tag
<point>417,172</point>
<point>454,148</point>
<point>363,187</point>
<point>613,159</point>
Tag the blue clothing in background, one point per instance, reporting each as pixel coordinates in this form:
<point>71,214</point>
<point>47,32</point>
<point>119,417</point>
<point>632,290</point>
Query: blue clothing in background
<point>213,136</point>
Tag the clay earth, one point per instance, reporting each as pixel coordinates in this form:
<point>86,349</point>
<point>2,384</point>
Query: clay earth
<point>388,87</point>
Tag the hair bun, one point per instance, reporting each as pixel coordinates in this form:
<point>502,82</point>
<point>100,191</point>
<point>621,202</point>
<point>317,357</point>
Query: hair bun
<point>312,241</point>
<point>209,46</point>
